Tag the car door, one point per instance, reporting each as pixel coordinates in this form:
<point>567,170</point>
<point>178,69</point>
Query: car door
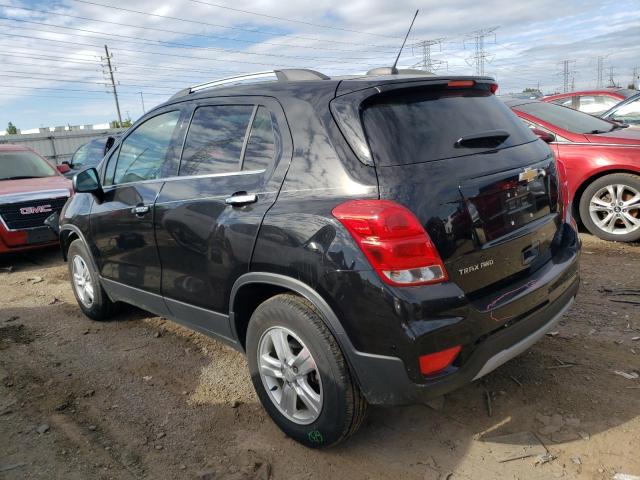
<point>235,155</point>
<point>122,221</point>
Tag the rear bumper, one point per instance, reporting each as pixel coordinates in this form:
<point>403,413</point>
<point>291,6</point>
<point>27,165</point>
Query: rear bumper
<point>386,380</point>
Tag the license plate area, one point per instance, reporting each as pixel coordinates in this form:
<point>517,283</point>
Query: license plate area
<point>40,235</point>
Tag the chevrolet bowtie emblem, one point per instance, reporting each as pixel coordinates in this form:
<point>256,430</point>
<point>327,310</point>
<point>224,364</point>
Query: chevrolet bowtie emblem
<point>530,174</point>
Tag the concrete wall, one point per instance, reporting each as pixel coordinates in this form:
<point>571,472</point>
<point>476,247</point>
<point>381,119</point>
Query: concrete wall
<point>57,146</point>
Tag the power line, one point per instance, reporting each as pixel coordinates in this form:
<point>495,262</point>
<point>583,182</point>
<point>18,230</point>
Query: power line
<point>332,27</point>
<point>160,43</point>
<point>201,35</point>
<point>271,65</point>
<point>481,56</point>
<point>198,22</point>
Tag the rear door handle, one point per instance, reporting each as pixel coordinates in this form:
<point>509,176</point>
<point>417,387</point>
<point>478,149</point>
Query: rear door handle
<point>140,210</point>
<point>241,198</point>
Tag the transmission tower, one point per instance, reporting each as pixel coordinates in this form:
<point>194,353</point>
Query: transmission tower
<point>612,82</point>
<point>481,56</point>
<point>428,63</point>
<point>566,74</point>
<point>635,80</point>
<point>109,71</point>
<point>600,71</point>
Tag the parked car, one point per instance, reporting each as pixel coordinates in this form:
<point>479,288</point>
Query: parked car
<point>380,239</point>
<point>89,155</point>
<point>593,102</point>
<point>31,189</point>
<point>602,163</point>
<point>626,112</point>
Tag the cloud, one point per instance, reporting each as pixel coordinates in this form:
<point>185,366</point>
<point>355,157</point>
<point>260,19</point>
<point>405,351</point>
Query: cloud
<point>532,38</point>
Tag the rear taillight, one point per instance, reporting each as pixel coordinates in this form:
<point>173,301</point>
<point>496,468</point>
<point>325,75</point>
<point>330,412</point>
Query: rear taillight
<point>394,241</point>
<point>493,88</point>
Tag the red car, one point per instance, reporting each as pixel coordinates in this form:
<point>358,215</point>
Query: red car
<point>593,102</point>
<point>31,189</point>
<point>601,161</point>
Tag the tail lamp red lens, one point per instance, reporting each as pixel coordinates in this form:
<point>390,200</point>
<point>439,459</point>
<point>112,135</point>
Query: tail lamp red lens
<point>439,361</point>
<point>493,87</point>
<point>393,240</point>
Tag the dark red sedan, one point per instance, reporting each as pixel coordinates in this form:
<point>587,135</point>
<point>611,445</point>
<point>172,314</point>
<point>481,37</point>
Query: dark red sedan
<point>601,161</point>
<point>31,189</point>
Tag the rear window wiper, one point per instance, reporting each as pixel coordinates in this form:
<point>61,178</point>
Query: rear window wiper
<point>595,132</point>
<point>487,139</point>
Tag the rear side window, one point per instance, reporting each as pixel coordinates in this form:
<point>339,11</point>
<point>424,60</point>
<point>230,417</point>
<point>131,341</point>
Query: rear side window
<point>215,139</point>
<point>261,146</point>
<point>407,127</point>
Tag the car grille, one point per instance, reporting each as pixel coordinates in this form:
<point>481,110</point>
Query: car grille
<point>16,216</point>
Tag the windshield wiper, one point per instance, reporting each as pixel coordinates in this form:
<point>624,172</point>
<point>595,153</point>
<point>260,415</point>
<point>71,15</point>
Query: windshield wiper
<point>488,139</point>
<point>19,177</point>
<point>595,132</point>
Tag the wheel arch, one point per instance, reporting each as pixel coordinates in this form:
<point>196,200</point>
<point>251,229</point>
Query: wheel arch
<point>575,205</point>
<point>253,288</point>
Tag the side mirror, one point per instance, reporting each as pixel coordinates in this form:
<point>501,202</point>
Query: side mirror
<point>87,181</point>
<point>108,144</point>
<point>66,162</point>
<point>544,136</point>
<point>63,167</point>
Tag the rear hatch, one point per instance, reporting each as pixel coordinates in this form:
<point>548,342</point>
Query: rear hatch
<point>483,186</point>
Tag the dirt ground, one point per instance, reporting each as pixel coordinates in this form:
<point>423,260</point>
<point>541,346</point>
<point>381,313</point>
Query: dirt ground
<point>140,397</point>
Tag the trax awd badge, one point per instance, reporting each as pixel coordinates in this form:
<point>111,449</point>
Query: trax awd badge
<point>476,267</point>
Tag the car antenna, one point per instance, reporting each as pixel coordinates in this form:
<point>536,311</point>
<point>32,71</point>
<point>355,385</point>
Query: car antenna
<point>393,69</point>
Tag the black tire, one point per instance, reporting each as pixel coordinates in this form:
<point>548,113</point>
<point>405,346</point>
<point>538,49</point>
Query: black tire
<point>101,308</point>
<point>627,179</point>
<point>343,406</point>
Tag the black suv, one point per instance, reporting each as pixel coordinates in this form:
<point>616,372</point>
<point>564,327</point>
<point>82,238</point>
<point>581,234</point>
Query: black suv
<point>378,239</point>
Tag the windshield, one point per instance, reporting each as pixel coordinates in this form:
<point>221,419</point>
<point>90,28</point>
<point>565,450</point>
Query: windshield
<point>89,154</point>
<point>566,118</point>
<point>24,164</point>
<point>412,126</point>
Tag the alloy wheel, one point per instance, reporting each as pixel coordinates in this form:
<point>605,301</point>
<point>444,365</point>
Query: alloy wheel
<point>290,375</point>
<point>82,281</point>
<point>615,209</point>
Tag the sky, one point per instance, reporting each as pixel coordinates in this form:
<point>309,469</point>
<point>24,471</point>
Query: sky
<point>53,58</point>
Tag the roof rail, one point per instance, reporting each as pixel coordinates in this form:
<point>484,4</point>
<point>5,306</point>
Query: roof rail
<point>284,75</point>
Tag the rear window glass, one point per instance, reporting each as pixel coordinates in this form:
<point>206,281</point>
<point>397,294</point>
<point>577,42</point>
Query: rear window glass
<point>417,126</point>
<point>565,118</point>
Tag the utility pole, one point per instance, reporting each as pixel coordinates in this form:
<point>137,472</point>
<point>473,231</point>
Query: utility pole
<point>600,71</point>
<point>573,83</point>
<point>142,100</point>
<point>481,56</point>
<point>429,64</point>
<point>113,83</point>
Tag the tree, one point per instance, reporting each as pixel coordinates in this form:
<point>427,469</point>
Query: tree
<point>126,123</point>
<point>11,129</point>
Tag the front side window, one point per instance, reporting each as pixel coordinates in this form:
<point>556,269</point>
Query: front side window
<point>144,153</point>
<point>629,113</point>
<point>262,145</point>
<point>215,139</point>
<point>21,164</point>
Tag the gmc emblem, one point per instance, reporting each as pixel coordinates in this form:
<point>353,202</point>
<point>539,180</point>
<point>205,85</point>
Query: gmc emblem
<point>38,209</point>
